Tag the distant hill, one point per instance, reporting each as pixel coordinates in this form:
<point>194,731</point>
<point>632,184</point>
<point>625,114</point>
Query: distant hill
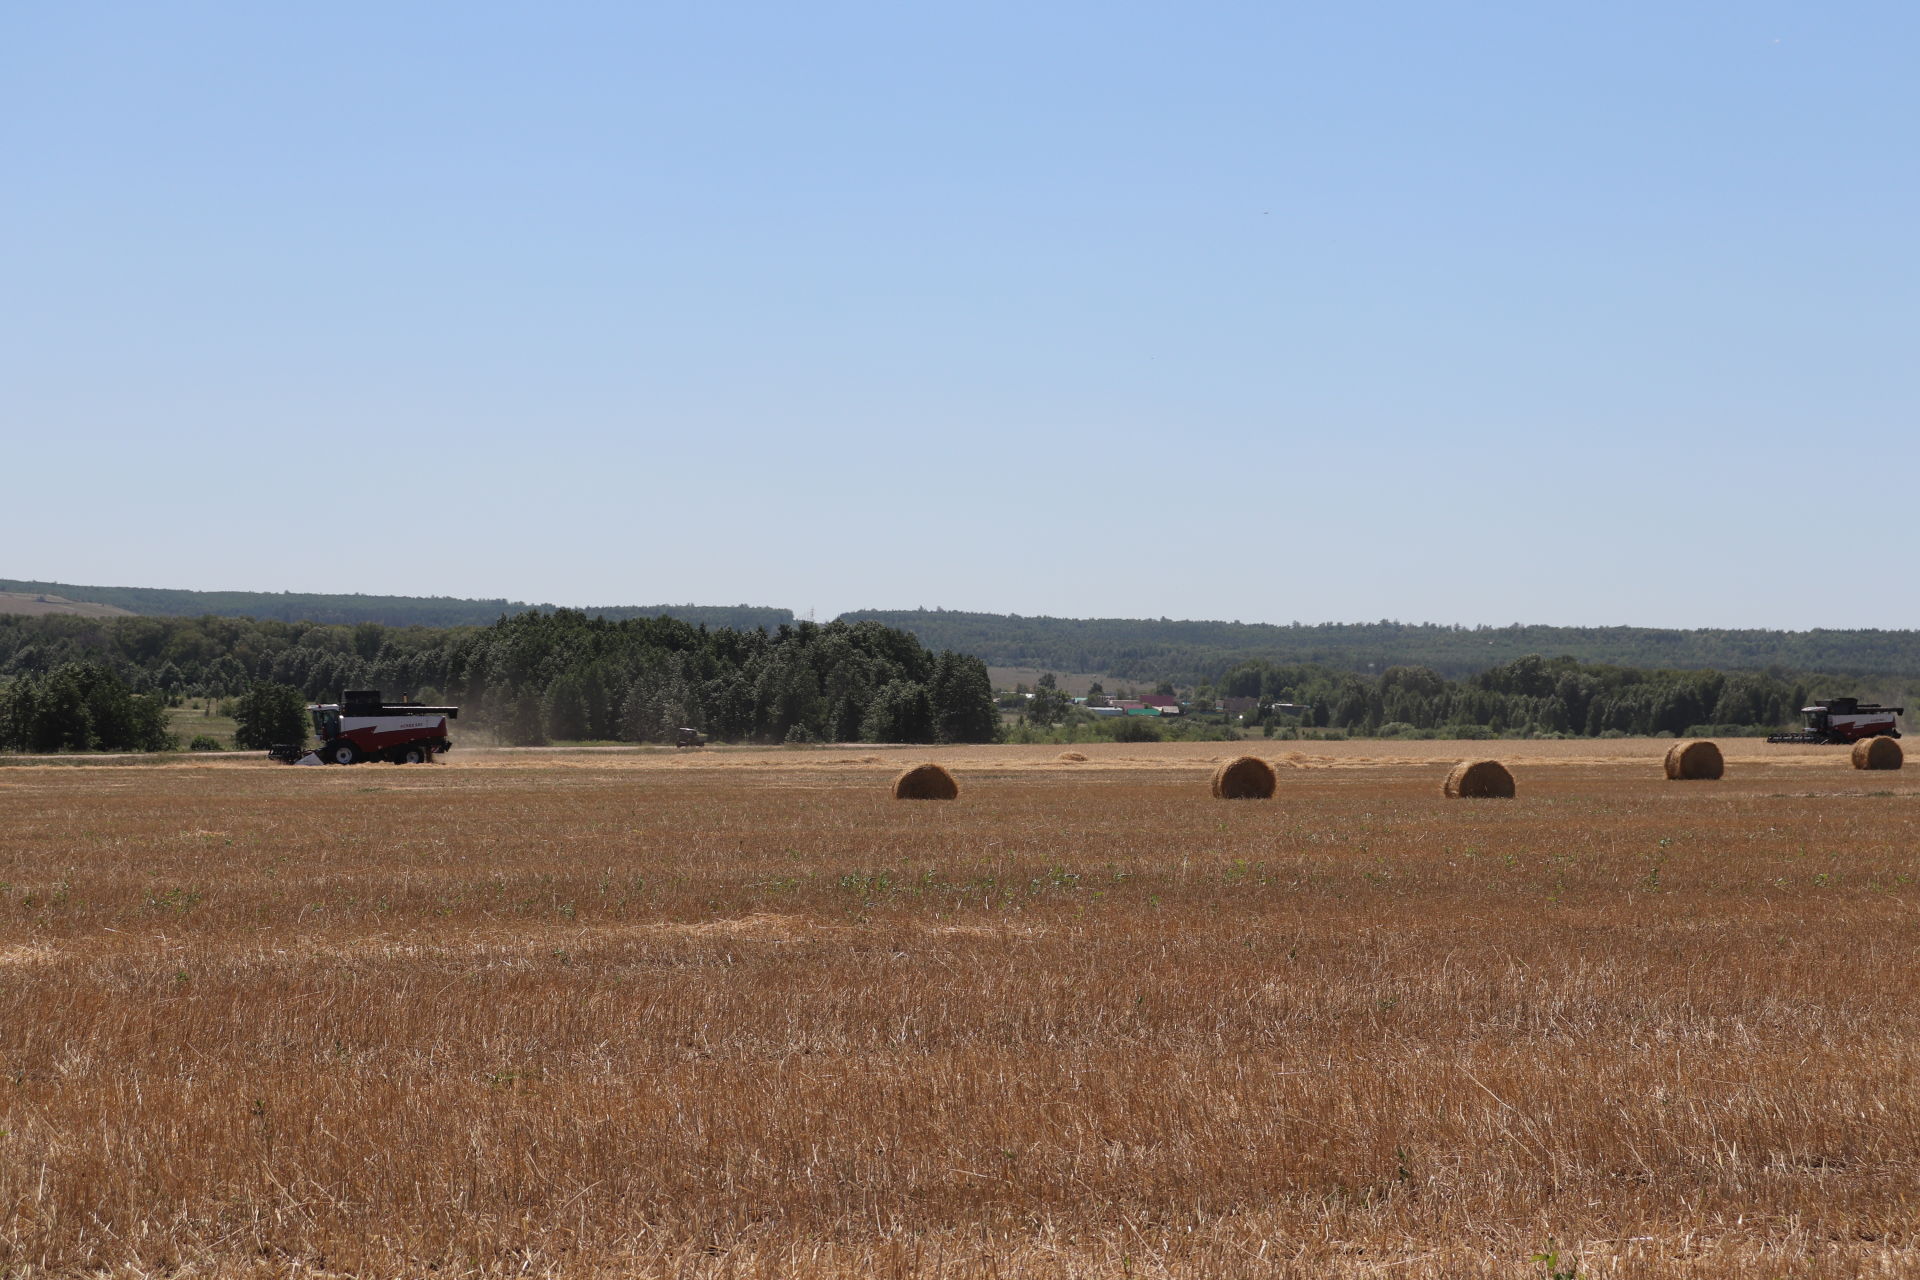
<point>393,611</point>
<point>1134,649</point>
<point>39,604</point>
<point>1196,652</point>
<point>734,617</point>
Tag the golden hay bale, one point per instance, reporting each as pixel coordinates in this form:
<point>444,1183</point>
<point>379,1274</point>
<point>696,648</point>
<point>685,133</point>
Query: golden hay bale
<point>1479,780</point>
<point>1072,757</point>
<point>1697,761</point>
<point>925,782</point>
<point>1878,753</point>
<point>1244,778</point>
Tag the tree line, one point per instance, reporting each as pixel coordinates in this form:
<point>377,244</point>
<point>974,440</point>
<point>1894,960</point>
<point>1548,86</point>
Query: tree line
<point>1198,653</point>
<point>71,683</point>
<point>529,677</point>
<point>1531,696</point>
<point>79,706</point>
<point>1148,650</point>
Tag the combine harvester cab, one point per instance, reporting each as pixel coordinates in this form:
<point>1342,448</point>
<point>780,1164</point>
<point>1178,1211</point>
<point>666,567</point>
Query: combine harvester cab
<point>362,727</point>
<point>1842,721</point>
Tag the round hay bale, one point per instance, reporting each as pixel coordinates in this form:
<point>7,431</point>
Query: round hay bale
<point>1697,761</point>
<point>1479,780</point>
<point>1073,757</point>
<point>1878,753</point>
<point>925,782</point>
<point>1244,778</point>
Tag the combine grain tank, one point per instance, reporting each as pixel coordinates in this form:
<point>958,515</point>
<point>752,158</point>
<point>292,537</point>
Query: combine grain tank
<point>1845,720</point>
<point>362,727</point>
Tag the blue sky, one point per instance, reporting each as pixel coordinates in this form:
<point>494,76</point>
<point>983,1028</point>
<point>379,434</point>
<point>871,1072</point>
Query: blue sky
<point>1472,313</point>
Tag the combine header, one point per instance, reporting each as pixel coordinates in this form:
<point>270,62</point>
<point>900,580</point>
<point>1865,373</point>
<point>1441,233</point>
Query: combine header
<point>1844,720</point>
<point>362,727</point>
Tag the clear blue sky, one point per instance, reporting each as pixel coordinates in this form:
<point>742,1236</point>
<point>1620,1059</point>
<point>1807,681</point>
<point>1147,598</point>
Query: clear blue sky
<point>1463,313</point>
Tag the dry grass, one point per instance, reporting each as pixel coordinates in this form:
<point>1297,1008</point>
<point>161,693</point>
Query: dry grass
<point>552,1016</point>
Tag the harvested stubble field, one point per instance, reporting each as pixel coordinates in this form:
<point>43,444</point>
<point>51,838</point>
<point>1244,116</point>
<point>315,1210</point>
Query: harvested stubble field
<point>742,1014</point>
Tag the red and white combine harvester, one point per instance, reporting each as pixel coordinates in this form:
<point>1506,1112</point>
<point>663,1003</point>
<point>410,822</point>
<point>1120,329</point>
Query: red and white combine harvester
<point>362,727</point>
<point>1844,720</point>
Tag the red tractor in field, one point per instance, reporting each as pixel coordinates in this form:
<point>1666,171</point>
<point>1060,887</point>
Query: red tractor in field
<point>1845,720</point>
<point>362,727</point>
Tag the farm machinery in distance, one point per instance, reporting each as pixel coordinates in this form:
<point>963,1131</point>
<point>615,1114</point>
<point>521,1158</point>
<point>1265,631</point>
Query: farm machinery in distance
<point>1845,720</point>
<point>362,727</point>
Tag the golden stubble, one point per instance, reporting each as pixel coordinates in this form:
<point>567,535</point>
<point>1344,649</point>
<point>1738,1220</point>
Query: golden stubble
<point>747,1015</point>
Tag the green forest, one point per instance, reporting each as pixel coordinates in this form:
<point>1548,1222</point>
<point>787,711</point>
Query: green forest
<point>1201,653</point>
<point>1530,697</point>
<point>70,683</point>
<point>1190,654</point>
